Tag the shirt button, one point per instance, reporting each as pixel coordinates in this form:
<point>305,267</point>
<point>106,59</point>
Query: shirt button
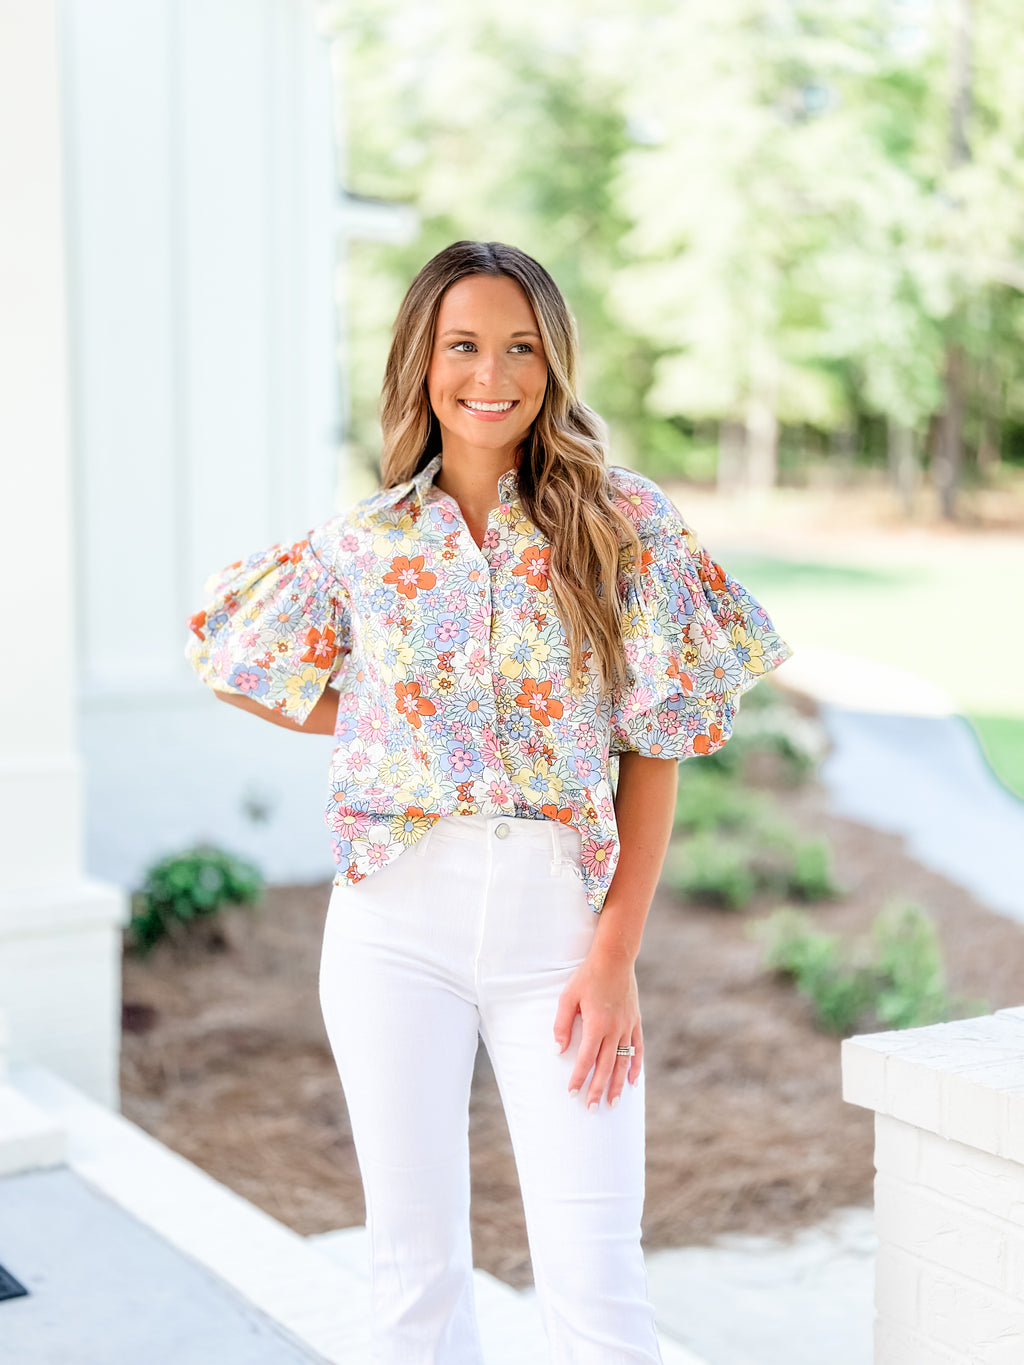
<point>501,831</point>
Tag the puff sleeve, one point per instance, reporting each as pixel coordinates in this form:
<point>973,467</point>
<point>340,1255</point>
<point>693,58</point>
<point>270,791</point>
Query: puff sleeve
<point>276,628</point>
<point>696,639</point>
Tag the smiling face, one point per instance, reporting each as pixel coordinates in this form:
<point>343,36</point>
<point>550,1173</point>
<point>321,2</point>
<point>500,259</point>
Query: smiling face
<point>488,374</point>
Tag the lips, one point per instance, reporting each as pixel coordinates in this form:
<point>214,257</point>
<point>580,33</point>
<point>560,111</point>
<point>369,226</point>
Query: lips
<point>499,406</point>
<point>483,411</point>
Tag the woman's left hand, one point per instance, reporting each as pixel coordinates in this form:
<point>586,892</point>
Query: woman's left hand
<point>603,990</point>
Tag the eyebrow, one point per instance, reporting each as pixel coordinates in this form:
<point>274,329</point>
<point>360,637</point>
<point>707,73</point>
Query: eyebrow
<point>459,332</point>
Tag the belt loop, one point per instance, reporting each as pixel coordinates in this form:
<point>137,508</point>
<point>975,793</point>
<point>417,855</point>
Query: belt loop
<point>556,848</point>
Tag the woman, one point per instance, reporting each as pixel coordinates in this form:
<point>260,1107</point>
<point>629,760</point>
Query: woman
<point>488,638</point>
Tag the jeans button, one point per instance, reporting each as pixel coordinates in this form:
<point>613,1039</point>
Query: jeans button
<point>501,831</point>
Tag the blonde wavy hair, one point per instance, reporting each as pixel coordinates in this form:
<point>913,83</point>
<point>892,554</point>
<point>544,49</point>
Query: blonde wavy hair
<point>562,474</point>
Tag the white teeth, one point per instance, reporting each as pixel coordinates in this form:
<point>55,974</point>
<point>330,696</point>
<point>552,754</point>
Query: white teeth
<point>488,407</point>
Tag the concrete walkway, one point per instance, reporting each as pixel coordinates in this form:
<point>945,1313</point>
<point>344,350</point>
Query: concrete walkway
<point>904,761</point>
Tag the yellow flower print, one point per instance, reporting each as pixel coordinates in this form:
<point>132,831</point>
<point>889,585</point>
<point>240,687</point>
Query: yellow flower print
<point>302,688</point>
<point>408,827</point>
<point>539,783</point>
<point>749,650</point>
<point>395,655</point>
<point>523,653</point>
<point>395,536</point>
<point>396,770</point>
<point>634,625</point>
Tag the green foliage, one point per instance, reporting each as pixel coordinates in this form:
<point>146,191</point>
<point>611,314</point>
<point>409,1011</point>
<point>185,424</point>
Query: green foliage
<point>733,846</point>
<point>728,870</point>
<point>811,877</point>
<point>713,869</point>
<point>709,799</point>
<point>896,981</point>
<point>753,209</point>
<point>184,888</point>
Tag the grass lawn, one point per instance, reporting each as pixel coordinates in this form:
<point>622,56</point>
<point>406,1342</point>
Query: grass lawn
<point>950,615</point>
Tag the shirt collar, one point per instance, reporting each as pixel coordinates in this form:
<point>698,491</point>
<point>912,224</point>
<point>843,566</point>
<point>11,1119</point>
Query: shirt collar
<point>508,483</point>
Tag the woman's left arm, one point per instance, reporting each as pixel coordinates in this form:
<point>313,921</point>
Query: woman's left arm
<point>603,988</point>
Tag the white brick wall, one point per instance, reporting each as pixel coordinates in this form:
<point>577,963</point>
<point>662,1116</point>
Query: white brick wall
<point>949,1188</point>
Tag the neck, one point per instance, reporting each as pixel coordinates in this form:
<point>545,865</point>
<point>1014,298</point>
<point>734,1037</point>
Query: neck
<point>471,476</point>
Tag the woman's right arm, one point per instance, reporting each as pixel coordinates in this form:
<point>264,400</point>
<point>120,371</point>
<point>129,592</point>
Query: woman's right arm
<point>320,720</point>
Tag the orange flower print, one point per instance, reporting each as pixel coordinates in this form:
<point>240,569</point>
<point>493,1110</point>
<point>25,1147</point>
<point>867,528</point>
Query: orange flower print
<point>411,705</point>
<point>713,573</point>
<point>409,576</point>
<point>703,744</point>
<point>292,554</point>
<point>536,697</point>
<point>533,565</point>
<point>673,670</point>
<point>320,648</point>
<point>553,813</point>
<point>196,623</point>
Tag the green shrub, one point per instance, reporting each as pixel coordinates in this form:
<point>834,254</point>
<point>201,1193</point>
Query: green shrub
<point>910,967</point>
<point>712,868</point>
<point>709,800</point>
<point>187,887</point>
<point>897,980</point>
<point>811,877</point>
<point>729,869</point>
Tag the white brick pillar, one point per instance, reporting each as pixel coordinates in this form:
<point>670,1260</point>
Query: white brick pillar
<point>949,1188</point>
<point>59,932</point>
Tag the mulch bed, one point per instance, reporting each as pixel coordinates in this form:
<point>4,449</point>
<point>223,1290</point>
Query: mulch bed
<point>225,1058</point>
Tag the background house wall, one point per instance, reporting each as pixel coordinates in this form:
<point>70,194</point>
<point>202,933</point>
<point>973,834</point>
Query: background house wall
<point>202,219</point>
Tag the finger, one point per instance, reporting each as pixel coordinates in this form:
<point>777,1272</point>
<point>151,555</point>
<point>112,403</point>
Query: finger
<point>636,1062</point>
<point>618,1080</point>
<point>602,1072</point>
<point>590,1045</point>
<point>568,1005</point>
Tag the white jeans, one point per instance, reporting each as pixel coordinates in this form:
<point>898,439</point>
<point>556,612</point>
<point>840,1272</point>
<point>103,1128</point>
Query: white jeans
<point>475,931</point>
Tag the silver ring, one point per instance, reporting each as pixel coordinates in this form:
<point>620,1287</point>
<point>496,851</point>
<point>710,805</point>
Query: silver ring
<point>625,1051</point>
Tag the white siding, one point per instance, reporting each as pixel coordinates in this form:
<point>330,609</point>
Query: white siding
<point>201,182</point>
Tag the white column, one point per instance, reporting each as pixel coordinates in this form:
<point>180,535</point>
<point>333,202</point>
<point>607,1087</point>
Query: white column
<point>949,1188</point>
<point>60,937</point>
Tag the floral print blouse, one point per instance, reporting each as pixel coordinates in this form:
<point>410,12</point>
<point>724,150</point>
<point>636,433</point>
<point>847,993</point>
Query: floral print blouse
<point>453,666</point>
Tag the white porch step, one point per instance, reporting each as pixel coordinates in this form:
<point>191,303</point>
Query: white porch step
<point>314,1288</point>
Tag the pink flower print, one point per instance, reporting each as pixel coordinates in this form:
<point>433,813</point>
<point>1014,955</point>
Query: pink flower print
<point>350,543</point>
<point>492,538</point>
<point>377,855</point>
<point>347,822</point>
<point>500,793</point>
<point>253,682</point>
<point>357,760</point>
<point>490,749</point>
<point>586,736</point>
<point>596,856</point>
<point>637,503</point>
<point>373,723</point>
<point>705,628</point>
<point>478,619</point>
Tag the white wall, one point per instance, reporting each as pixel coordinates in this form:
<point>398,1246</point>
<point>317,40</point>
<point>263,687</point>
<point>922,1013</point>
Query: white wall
<point>60,933</point>
<point>201,183</point>
<point>949,1189</point>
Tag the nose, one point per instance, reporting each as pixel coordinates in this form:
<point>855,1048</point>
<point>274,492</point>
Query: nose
<point>490,368</point>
